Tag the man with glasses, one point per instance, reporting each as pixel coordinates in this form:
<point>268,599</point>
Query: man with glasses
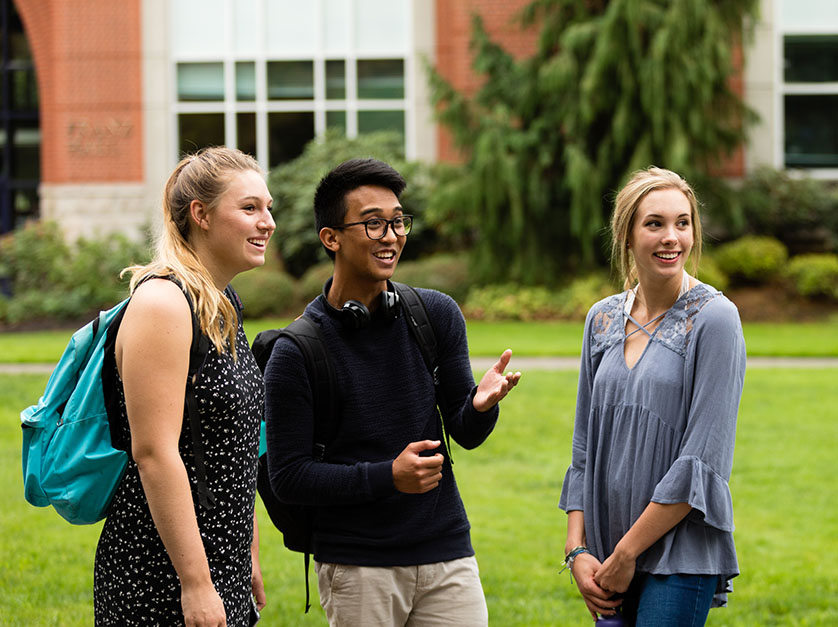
<point>391,536</point>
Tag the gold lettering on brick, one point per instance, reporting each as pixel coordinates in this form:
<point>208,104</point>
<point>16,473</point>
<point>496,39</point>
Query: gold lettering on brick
<point>97,139</point>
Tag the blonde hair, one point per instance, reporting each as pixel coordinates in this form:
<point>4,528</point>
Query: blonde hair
<point>203,176</point>
<point>641,183</point>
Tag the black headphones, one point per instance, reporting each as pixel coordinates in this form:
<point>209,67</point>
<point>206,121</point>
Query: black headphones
<point>355,315</point>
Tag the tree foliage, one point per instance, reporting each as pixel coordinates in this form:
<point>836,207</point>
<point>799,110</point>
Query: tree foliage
<point>613,86</point>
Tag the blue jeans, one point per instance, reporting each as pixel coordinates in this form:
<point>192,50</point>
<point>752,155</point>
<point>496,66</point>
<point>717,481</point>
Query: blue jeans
<point>669,600</point>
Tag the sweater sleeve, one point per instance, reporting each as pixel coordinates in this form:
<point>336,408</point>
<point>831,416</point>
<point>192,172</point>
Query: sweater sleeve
<point>714,375</point>
<point>574,480</point>
<point>467,426</point>
<point>296,477</point>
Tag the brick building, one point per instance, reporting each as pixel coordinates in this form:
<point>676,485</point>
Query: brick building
<point>124,87</point>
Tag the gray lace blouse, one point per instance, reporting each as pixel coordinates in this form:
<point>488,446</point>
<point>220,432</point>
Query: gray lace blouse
<point>661,431</point>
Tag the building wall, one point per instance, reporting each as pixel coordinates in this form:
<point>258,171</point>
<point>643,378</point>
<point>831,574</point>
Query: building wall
<point>88,57</point>
<point>108,126</point>
<point>760,91</point>
<point>453,57</point>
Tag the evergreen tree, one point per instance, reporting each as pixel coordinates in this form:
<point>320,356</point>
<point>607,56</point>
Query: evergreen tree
<point>614,86</point>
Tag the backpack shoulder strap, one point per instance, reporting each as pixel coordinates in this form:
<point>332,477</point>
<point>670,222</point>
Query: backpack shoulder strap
<point>231,293</point>
<point>307,335</point>
<point>198,351</point>
<point>420,325</point>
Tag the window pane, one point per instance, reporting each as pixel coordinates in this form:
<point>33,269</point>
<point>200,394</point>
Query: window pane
<point>197,27</point>
<point>18,43</point>
<point>290,80</point>
<point>381,78</point>
<point>25,203</point>
<point>811,59</point>
<point>200,81</point>
<point>245,80</point>
<point>197,130</point>
<point>246,132</point>
<point>336,80</point>
<point>291,26</point>
<point>369,121</point>
<point>336,119</point>
<point>288,133</point>
<point>26,150</point>
<point>24,89</point>
<point>3,173</point>
<point>382,26</point>
<point>811,131</point>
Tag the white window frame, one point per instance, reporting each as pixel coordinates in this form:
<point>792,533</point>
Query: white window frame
<point>261,106</point>
<point>789,89</point>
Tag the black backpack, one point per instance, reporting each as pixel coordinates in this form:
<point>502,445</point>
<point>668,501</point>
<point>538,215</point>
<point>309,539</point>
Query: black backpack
<point>296,521</point>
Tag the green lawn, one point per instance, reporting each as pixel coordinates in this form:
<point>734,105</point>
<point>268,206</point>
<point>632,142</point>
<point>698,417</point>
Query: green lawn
<point>491,338</point>
<point>783,489</point>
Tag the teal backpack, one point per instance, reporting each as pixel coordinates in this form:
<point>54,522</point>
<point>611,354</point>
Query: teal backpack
<point>73,454</point>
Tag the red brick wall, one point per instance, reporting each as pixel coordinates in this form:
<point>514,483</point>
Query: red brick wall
<point>453,57</point>
<point>88,56</point>
<point>734,165</point>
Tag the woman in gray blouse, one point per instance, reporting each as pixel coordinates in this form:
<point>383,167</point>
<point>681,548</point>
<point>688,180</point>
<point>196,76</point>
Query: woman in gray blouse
<point>650,518</point>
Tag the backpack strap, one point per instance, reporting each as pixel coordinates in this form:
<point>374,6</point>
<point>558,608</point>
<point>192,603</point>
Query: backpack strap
<point>198,351</point>
<point>419,323</point>
<point>307,336</point>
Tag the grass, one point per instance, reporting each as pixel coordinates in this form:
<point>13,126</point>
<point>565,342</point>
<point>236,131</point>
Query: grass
<point>783,489</point>
<point>491,338</point>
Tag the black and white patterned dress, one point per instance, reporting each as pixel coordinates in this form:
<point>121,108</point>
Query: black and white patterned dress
<point>134,580</point>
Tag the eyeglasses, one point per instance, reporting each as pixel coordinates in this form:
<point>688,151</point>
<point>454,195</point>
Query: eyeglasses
<point>376,228</point>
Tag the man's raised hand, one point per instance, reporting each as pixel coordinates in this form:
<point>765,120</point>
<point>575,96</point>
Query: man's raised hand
<point>495,385</point>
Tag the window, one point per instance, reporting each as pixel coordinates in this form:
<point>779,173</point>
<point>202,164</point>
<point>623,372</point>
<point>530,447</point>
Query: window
<point>808,32</point>
<point>20,131</point>
<point>278,73</point>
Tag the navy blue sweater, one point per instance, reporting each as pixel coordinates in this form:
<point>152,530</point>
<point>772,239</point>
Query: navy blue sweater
<point>387,401</point>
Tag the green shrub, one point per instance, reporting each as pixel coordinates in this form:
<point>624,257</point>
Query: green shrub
<point>710,273</point>
<point>446,272</point>
<point>311,283</point>
<point>576,298</point>
<point>50,278</point>
<point>266,291</point>
<point>815,275</point>
<point>752,259</point>
<point>513,302</point>
<point>799,211</point>
<point>292,186</point>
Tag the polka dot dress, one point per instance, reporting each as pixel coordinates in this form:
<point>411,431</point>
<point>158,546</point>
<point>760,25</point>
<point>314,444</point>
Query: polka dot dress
<point>134,580</point>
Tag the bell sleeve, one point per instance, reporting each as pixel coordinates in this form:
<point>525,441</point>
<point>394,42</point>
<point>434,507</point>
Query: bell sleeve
<point>713,378</point>
<point>573,486</point>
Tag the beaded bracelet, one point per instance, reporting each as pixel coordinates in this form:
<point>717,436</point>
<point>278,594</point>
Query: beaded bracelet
<point>570,557</point>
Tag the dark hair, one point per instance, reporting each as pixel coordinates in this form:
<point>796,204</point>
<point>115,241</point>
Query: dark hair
<point>330,197</point>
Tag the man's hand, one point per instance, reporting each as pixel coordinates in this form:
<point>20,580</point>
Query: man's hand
<point>495,385</point>
<point>415,474</point>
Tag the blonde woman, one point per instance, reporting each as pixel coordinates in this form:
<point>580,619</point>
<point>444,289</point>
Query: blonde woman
<point>163,557</point>
<point>650,517</point>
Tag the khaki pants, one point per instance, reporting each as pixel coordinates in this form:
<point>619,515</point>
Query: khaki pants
<point>444,593</point>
